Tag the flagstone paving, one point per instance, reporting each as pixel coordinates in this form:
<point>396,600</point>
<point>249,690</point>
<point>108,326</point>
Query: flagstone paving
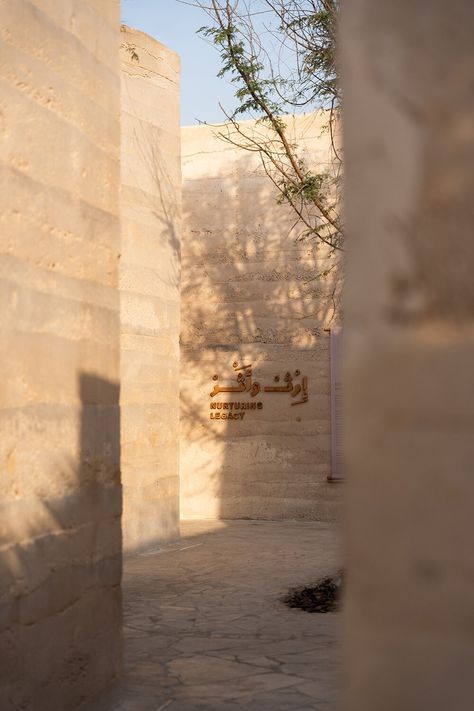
<point>205,628</point>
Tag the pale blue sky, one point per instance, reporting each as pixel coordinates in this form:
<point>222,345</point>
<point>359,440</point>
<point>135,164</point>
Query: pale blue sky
<point>175,25</point>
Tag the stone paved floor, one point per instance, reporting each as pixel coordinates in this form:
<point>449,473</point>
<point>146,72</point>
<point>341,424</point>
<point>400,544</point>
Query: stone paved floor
<point>205,628</point>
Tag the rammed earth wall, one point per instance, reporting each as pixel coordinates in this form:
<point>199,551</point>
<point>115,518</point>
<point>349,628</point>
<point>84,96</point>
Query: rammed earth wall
<point>60,623</point>
<point>409,151</point>
<point>253,333</point>
<point>149,290</point>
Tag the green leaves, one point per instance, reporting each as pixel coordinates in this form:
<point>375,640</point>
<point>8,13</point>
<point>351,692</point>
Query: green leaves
<point>244,67</point>
<point>288,63</point>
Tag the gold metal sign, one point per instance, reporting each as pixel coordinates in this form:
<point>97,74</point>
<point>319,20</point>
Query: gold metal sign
<point>235,410</point>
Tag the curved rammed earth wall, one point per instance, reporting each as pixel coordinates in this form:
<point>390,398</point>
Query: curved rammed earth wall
<point>150,290</point>
<point>60,640</point>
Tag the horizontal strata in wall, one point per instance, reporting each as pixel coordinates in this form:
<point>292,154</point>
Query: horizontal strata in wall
<point>60,627</point>
<point>253,321</point>
<point>149,290</point>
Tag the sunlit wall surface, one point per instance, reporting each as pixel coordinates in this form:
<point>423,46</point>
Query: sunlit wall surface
<point>254,314</point>
<point>60,640</point>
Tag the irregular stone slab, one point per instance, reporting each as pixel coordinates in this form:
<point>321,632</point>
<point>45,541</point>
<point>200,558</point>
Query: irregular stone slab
<point>206,627</point>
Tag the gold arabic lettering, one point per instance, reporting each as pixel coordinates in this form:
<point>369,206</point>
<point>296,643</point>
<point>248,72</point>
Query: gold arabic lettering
<point>245,383</point>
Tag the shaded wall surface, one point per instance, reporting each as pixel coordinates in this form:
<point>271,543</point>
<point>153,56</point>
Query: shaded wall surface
<point>409,139</point>
<point>149,289</point>
<point>60,495</point>
<point>249,297</point>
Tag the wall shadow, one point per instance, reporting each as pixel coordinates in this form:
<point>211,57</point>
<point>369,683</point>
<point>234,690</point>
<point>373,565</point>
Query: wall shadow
<point>61,558</point>
<point>250,295</point>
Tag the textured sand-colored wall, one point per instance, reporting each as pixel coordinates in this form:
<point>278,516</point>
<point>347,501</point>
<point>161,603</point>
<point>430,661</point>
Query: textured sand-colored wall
<point>60,639</point>
<point>248,296</point>
<point>409,140</point>
<point>149,289</point>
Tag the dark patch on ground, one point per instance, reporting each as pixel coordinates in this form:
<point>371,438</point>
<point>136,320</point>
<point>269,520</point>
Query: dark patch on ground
<point>324,596</point>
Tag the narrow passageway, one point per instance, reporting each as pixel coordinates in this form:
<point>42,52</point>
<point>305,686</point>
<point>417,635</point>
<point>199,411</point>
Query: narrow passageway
<point>205,627</point>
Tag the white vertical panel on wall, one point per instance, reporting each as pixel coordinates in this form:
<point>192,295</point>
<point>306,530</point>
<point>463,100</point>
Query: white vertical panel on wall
<point>337,471</point>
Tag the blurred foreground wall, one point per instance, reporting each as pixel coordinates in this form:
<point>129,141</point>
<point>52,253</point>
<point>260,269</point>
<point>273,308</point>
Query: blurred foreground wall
<point>149,290</point>
<point>409,148</point>
<point>250,297</point>
<point>60,496</point>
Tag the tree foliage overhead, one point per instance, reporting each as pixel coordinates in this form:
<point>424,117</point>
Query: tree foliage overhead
<point>280,55</point>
